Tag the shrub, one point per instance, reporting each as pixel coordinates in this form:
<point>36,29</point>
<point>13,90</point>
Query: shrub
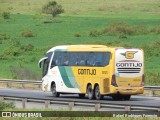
<point>28,47</point>
<point>3,36</point>
<point>14,43</point>
<point>11,52</point>
<point>6,15</point>
<point>52,8</point>
<point>123,36</point>
<point>119,28</point>
<point>5,105</point>
<point>27,33</point>
<point>77,35</point>
<point>156,44</point>
<point>151,78</point>
<point>156,30</point>
<point>141,30</point>
<point>123,29</point>
<point>94,33</point>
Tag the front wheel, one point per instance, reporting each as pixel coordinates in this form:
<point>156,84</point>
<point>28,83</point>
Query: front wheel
<point>54,92</point>
<point>81,95</point>
<point>98,95</point>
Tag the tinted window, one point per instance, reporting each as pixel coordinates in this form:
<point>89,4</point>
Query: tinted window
<point>99,59</point>
<point>80,59</point>
<point>91,61</point>
<point>65,56</point>
<point>73,59</point>
<point>106,58</point>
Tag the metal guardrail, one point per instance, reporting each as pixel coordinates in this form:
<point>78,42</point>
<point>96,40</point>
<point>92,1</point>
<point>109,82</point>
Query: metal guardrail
<point>40,82</point>
<point>72,104</point>
<point>21,81</point>
<point>152,87</point>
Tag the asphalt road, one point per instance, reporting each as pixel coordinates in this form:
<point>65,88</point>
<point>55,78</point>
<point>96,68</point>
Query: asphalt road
<point>135,100</point>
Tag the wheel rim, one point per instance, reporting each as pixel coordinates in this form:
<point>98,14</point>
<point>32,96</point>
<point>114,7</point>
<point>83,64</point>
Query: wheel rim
<point>89,92</point>
<point>97,93</point>
<point>54,89</point>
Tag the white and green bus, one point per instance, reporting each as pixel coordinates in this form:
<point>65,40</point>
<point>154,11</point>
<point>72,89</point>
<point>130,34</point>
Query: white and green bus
<point>95,70</point>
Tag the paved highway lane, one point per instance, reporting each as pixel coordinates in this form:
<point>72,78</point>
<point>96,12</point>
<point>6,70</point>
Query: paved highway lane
<point>135,100</point>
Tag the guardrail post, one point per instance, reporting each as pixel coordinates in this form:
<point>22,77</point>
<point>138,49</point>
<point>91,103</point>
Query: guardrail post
<point>24,100</point>
<point>23,86</point>
<point>153,93</point>
<point>8,84</point>
<point>1,98</point>
<point>47,102</point>
<point>71,104</point>
<point>97,106</point>
<point>39,86</point>
<point>127,108</point>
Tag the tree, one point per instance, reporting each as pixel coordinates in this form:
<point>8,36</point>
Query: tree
<point>52,8</point>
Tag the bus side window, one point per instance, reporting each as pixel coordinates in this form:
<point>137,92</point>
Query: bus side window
<point>57,59</point>
<point>91,59</point>
<point>65,58</point>
<point>99,59</point>
<point>82,59</point>
<point>72,60</point>
<point>106,58</point>
<point>77,57</point>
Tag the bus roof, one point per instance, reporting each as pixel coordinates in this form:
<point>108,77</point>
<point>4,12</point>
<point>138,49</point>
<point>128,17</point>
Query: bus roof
<point>79,48</point>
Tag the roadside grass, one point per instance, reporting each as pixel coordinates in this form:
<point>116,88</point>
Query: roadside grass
<point>26,51</point>
<point>28,34</point>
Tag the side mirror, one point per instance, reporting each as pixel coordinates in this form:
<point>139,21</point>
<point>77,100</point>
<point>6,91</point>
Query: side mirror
<point>40,65</point>
<point>40,62</point>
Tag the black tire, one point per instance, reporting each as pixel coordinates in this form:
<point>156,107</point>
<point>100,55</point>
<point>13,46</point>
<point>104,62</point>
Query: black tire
<point>81,95</point>
<point>90,92</point>
<point>126,97</point>
<point>117,97</point>
<point>54,92</point>
<point>98,96</point>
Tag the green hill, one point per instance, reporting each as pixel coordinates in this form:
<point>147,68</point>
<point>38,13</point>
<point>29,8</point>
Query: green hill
<point>28,34</point>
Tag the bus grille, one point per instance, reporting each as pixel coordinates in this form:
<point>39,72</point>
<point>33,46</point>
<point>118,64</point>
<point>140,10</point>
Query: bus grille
<point>129,70</point>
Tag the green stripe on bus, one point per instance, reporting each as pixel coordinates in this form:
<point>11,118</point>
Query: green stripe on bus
<point>68,77</point>
<point>65,77</point>
<point>71,76</point>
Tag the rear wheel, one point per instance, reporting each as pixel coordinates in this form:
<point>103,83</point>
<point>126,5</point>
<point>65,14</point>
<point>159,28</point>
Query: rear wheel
<point>54,92</point>
<point>98,96</point>
<point>126,97</point>
<point>90,92</point>
<point>81,95</point>
<point>117,97</point>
